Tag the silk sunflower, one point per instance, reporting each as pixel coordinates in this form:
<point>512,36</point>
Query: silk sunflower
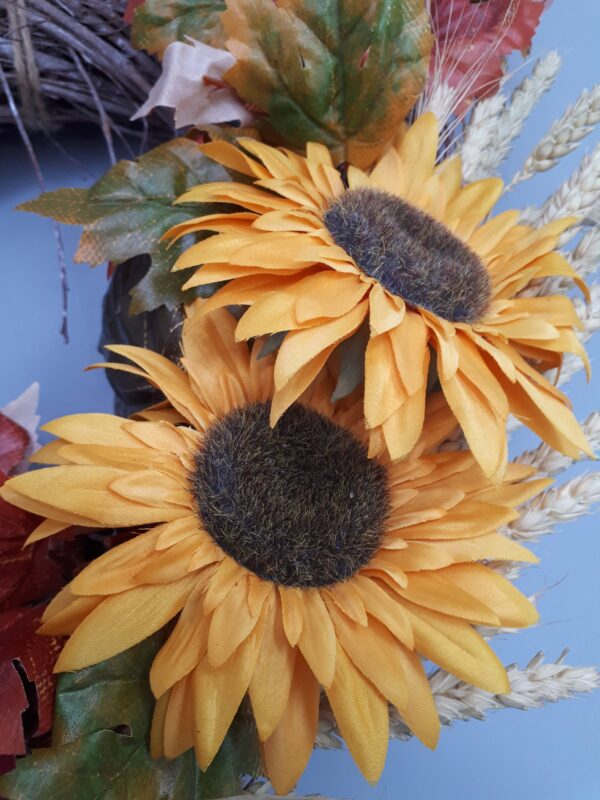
<point>292,561</point>
<point>406,259</point>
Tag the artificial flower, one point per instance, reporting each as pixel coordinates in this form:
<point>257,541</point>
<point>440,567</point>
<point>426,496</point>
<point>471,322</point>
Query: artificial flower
<point>294,561</point>
<point>317,251</point>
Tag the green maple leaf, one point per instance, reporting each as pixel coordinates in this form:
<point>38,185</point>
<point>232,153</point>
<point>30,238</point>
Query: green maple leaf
<point>100,743</point>
<point>126,212</point>
<point>341,72</point>
<point>157,23</point>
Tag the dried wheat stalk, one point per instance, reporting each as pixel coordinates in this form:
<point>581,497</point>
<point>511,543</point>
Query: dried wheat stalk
<point>496,123</point>
<point>539,683</point>
<point>564,136</point>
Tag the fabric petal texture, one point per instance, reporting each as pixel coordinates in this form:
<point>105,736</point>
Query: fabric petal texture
<point>354,620</point>
<point>309,258</point>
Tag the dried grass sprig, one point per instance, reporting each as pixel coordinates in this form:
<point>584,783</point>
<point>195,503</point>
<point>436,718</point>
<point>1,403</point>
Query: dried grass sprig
<point>578,196</point>
<point>564,136</point>
<point>493,128</point>
<point>538,683</point>
<point>556,505</point>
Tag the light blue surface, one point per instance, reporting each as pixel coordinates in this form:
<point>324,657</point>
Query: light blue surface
<point>551,753</point>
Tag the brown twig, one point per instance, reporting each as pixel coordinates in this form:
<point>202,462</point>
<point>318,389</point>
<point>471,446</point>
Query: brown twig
<point>104,120</point>
<point>42,183</point>
<point>37,41</point>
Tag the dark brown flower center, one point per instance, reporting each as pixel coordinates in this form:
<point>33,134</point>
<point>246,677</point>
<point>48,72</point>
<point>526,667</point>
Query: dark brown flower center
<point>410,254</point>
<point>300,504</point>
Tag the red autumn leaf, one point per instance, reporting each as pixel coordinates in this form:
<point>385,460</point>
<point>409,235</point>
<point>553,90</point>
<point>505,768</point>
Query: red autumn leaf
<point>27,574</point>
<point>474,37</point>
<point>13,702</point>
<point>13,443</point>
<point>130,10</point>
<point>37,656</point>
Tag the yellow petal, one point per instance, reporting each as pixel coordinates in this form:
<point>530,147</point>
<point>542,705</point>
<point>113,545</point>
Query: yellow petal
<point>232,157</point>
<point>103,429</point>
<point>403,428</point>
<point>455,646</point>
<point>272,679</point>
<point>361,713</point>
<point>513,609</point>
<point>114,571</point>
<point>84,491</point>
<point>482,425</point>
<point>292,613</point>
<point>185,647</point>
<point>385,312</point>
<point>390,174</point>
<point>380,604</point>
<point>218,693</point>
<point>375,652</point>
<point>328,294</point>
<point>157,732</point>
<point>472,204</point>
<point>288,749</point>
<point>66,612</point>
<point>347,597</point>
<point>384,392</point>
<point>231,624</point>
<point>431,590</point>
<point>420,714</point>
<point>301,347</point>
<point>121,621</point>
<point>418,151</point>
<point>317,640</point>
<point>179,720</point>
<point>450,174</point>
<point>468,518</point>
<point>250,197</point>
<point>284,397</point>
<point>163,374</point>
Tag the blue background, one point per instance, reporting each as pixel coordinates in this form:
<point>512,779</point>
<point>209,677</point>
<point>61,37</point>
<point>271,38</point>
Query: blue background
<point>551,753</point>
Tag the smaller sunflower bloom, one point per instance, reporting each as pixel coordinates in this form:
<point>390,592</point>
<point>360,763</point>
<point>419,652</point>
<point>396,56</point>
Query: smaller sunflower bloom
<point>292,561</point>
<point>409,249</point>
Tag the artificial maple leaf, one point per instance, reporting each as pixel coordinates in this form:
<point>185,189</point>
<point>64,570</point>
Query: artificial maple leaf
<point>30,574</point>
<point>13,701</point>
<point>473,39</point>
<point>339,72</point>
<point>13,443</point>
<point>35,656</point>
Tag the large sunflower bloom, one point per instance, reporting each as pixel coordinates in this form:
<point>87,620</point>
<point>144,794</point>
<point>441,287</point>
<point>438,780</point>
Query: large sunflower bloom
<point>293,560</point>
<point>407,247</point>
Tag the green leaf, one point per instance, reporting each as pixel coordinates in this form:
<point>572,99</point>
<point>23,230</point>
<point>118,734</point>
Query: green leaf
<point>157,23</point>
<point>99,744</point>
<point>341,72</point>
<point>352,363</point>
<point>160,286</point>
<point>126,212</point>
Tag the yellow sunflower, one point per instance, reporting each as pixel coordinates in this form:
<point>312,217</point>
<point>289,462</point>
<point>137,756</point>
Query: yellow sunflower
<point>293,561</point>
<point>314,255</point>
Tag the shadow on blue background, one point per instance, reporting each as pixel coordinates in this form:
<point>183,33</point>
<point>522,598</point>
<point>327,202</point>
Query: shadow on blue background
<point>551,753</point>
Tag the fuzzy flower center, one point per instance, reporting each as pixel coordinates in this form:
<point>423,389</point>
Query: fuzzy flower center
<point>300,504</point>
<point>410,254</point>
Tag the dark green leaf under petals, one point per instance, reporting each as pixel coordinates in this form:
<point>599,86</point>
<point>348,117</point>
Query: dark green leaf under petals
<point>100,743</point>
